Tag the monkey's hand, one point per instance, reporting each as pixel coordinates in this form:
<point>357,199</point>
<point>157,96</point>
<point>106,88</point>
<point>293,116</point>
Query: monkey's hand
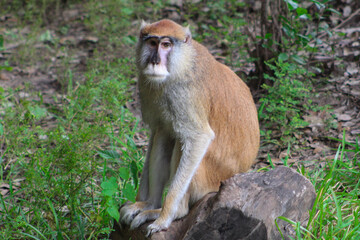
<point>129,211</point>
<point>158,225</point>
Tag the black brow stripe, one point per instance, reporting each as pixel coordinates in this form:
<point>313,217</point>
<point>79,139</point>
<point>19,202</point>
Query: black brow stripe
<point>172,39</point>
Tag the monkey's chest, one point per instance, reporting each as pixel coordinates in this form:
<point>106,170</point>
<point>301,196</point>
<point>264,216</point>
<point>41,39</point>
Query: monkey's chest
<point>167,112</point>
<point>156,112</point>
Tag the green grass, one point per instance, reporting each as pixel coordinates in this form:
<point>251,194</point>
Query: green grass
<point>66,166</point>
<point>54,172</point>
<point>336,211</point>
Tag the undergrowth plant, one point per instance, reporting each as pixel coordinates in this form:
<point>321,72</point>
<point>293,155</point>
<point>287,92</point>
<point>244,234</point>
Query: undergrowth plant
<point>4,66</point>
<point>290,31</point>
<point>288,77</point>
<point>287,98</point>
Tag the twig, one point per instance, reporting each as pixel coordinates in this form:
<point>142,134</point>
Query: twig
<point>357,12</point>
<point>348,19</point>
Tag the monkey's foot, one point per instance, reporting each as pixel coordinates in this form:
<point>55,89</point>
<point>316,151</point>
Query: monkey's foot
<point>157,226</point>
<point>128,212</point>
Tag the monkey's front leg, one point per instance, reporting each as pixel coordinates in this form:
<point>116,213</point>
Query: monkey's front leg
<point>193,151</point>
<point>155,175</point>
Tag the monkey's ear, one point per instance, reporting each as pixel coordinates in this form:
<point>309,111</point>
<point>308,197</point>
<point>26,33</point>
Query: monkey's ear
<point>143,24</point>
<point>187,34</point>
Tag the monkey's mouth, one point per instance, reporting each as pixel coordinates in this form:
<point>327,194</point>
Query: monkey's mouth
<point>156,78</point>
<point>156,72</point>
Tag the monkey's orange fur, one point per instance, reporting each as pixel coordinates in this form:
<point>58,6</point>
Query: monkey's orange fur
<point>205,119</point>
<point>164,28</point>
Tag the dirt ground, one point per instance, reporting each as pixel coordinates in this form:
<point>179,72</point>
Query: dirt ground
<point>316,142</point>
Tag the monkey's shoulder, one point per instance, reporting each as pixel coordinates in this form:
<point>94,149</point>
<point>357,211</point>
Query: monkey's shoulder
<point>202,53</point>
<point>208,63</point>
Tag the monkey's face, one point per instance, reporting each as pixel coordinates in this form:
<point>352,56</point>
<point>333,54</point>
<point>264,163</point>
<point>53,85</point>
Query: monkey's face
<point>164,51</point>
<point>154,57</point>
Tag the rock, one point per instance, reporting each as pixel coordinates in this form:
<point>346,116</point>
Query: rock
<point>71,40</point>
<point>347,11</point>
<point>355,132</point>
<point>355,93</point>
<point>314,121</point>
<point>344,117</point>
<point>5,76</point>
<point>178,3</point>
<point>245,207</point>
<point>352,69</point>
<point>70,14</point>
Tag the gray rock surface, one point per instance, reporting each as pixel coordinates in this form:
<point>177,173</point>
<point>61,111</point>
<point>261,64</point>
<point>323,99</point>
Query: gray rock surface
<point>245,207</point>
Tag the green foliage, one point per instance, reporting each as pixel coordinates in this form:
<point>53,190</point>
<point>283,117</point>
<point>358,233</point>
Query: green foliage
<point>287,98</point>
<point>300,31</point>
<point>3,66</point>
<point>110,187</point>
<point>291,49</point>
<point>124,183</point>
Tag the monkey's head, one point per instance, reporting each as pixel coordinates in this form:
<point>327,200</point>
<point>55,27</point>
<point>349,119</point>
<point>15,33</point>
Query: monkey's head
<point>164,51</point>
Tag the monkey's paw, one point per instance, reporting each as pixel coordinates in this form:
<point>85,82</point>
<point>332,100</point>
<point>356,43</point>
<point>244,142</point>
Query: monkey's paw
<point>129,211</point>
<point>145,216</point>
<point>127,214</point>
<point>157,226</point>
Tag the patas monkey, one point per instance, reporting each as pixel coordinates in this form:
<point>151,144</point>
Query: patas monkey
<point>203,121</point>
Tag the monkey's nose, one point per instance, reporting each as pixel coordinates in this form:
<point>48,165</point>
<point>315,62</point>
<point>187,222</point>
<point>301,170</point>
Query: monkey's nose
<point>155,59</point>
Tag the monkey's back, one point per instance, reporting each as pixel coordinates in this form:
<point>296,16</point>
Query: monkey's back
<point>232,115</point>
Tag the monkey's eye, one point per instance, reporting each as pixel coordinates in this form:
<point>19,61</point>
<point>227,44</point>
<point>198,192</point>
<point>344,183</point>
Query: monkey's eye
<point>152,43</point>
<point>166,44</point>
